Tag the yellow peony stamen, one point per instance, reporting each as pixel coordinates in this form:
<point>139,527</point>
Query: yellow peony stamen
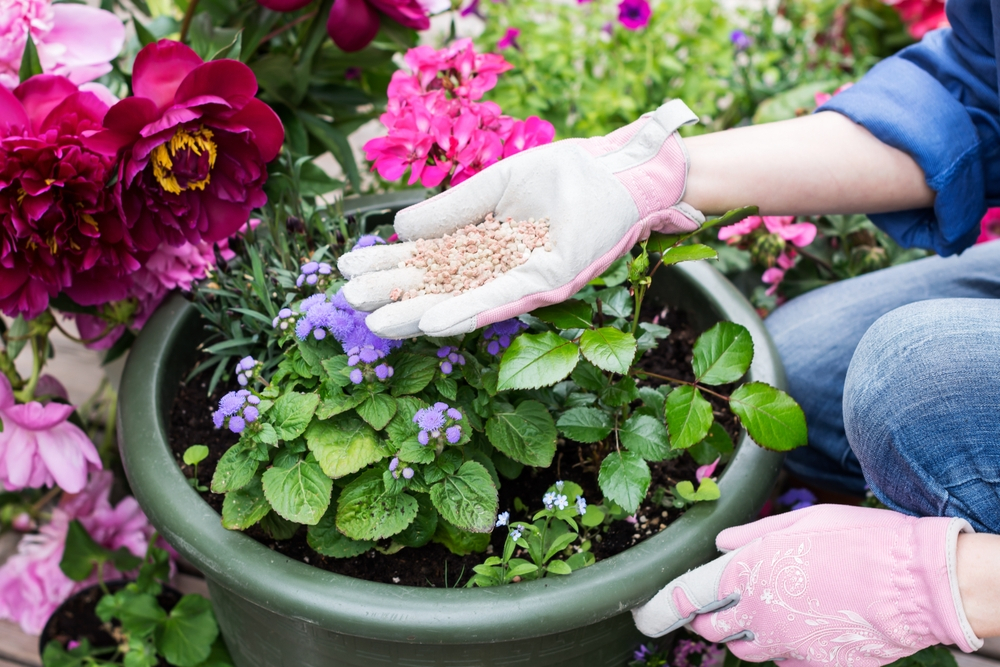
<point>198,142</point>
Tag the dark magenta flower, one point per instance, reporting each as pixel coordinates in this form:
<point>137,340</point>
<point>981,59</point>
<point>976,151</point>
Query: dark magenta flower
<point>60,230</point>
<point>353,24</point>
<point>634,14</point>
<point>194,142</point>
<point>509,39</point>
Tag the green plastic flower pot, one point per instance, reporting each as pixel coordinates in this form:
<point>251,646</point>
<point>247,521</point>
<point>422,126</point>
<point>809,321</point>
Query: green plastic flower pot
<point>275,611</point>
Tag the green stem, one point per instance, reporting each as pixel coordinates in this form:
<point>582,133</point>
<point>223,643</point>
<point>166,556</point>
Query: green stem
<point>27,394</point>
<point>108,444</point>
<point>679,381</point>
<point>188,15</point>
<point>640,294</point>
<point>44,500</point>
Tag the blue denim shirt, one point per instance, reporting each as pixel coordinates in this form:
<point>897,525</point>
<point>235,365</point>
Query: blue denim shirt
<point>937,100</point>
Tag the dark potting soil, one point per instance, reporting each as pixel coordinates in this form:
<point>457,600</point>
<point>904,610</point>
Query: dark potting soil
<point>75,619</point>
<point>433,565</point>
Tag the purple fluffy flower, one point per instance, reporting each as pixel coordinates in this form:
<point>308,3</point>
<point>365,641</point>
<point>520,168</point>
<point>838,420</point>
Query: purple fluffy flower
<point>250,414</point>
<point>498,336</point>
<point>393,464</point>
<point>446,367</point>
<point>319,334</point>
<point>368,240</point>
<point>231,403</point>
<point>408,473</point>
<point>369,354</point>
<point>218,418</point>
<point>423,437</point>
<point>382,371</point>
<point>454,414</point>
<point>357,376</point>
<point>493,348</point>
<point>285,313</point>
<point>429,419</point>
<point>309,268</point>
<point>236,424</point>
<point>311,301</point>
<point>454,434</point>
<point>253,400</point>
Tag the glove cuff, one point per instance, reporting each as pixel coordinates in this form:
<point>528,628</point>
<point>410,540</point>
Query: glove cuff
<point>648,157</point>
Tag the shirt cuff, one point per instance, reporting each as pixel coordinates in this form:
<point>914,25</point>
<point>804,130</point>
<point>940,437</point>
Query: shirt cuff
<point>907,108</point>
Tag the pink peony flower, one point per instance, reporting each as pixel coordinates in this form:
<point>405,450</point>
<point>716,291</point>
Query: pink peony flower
<point>509,39</point>
<point>60,230</point>
<point>438,128</point>
<point>38,447</point>
<point>194,142</point>
<point>32,585</point>
<point>64,37</point>
<point>353,24</point>
<point>634,14</point>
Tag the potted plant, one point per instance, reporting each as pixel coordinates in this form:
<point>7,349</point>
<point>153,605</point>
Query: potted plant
<point>271,606</point>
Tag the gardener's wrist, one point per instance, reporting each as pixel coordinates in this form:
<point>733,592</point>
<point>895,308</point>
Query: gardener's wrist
<point>978,567</point>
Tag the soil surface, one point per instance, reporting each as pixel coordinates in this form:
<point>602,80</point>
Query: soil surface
<point>433,565</point>
<point>75,619</point>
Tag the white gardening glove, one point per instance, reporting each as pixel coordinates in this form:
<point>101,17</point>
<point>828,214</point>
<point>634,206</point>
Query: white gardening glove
<point>825,585</point>
<point>600,195</point>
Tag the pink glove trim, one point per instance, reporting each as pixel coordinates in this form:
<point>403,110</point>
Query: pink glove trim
<point>598,146</point>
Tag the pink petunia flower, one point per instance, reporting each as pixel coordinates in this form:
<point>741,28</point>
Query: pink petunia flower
<point>32,585</point>
<point>64,37</point>
<point>634,14</point>
<point>509,39</point>
<point>38,447</point>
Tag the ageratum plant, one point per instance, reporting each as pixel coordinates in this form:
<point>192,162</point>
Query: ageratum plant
<point>379,444</point>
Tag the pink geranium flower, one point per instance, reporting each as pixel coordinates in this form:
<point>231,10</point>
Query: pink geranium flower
<point>634,14</point>
<point>64,37</point>
<point>194,142</point>
<point>774,275</point>
<point>799,234</point>
<point>38,447</point>
<point>32,585</point>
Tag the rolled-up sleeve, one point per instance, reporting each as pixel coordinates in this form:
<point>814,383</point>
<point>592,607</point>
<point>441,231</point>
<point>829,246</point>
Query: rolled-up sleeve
<point>937,101</point>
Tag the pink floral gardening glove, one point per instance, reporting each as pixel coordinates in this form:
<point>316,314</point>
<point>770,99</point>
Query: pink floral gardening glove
<point>600,195</point>
<point>825,585</point>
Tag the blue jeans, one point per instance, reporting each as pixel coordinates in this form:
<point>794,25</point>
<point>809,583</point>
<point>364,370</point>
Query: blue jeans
<point>898,373</point>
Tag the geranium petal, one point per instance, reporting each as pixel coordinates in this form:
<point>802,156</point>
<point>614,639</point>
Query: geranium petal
<point>353,24</point>
<point>41,94</point>
<point>62,450</point>
<point>268,132</point>
<point>18,447</point>
<point>159,70</point>
<point>230,80</point>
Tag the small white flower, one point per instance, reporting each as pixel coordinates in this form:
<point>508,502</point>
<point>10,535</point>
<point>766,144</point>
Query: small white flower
<point>581,505</point>
<point>515,534</point>
<point>549,500</point>
<point>561,502</point>
<point>559,485</point>
<point>503,518</point>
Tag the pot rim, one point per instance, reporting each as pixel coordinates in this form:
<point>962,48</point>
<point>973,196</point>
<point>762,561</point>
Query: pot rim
<point>428,615</point>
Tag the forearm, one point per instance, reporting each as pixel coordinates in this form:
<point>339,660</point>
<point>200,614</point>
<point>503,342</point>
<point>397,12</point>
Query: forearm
<point>978,569</point>
<point>822,163</point>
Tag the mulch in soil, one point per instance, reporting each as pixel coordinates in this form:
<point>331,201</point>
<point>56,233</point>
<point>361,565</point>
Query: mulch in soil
<point>75,619</point>
<point>433,565</point>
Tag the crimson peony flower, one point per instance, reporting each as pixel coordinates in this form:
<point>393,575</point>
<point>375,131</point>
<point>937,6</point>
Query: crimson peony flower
<point>59,226</point>
<point>353,24</point>
<point>194,141</point>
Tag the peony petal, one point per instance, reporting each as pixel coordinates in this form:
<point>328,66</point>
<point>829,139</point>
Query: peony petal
<point>91,289</point>
<point>84,105</point>
<point>90,36</point>
<point>129,116</point>
<point>159,70</point>
<point>229,79</point>
<point>82,73</point>
<point>224,218</point>
<point>268,132</point>
<point>353,24</point>
<point>101,91</point>
<point>41,94</point>
<point>13,117</point>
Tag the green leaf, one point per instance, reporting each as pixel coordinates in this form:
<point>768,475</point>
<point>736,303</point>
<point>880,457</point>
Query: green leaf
<point>343,445</point>
<point>707,490</point>
<point>615,274</point>
<point>267,434</point>
<point>300,493</point>
<point>277,528</point>
<point>717,443</point>
<point>335,402</point>
<point>411,373</point>
<point>722,354</point>
<point>292,413</point>
<point>366,512</point>
<point>624,479</point>
<point>219,656</point>
<point>659,242</point>
<point>593,517</point>
<point>772,418</point>
<point>651,335</point>
<point>585,424</point>
<point>558,567</point>
<point>139,613</point>
<point>17,337</point>
<point>609,349</point>
<point>30,64</point>
<point>185,638</point>
<point>337,370</point>
<point>234,470</point>
<point>195,454</point>
<point>142,32</point>
<point>447,386</point>
<point>791,103</point>
<point>467,499</point>
<point>420,532</point>
<point>324,538</point>
<point>646,436</point>
<point>460,542</point>
<point>689,416</point>
<point>525,434</point>
<point>652,399</point>
<point>590,377</point>
<point>570,314</point>
<point>82,554</point>
<point>537,360</point>
<point>377,410</point>
<point>401,428</point>
<point>616,302</point>
<point>688,253</point>
<point>245,507</point>
<point>621,393</point>
<point>335,141</point>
